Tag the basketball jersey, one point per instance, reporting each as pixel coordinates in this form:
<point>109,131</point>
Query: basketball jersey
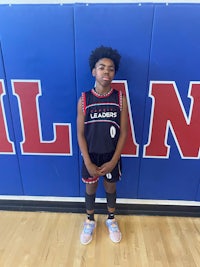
<point>102,120</point>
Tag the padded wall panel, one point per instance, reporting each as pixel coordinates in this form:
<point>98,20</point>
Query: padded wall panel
<point>174,58</point>
<point>38,46</point>
<point>198,194</point>
<point>128,29</point>
<point>10,179</point>
<point>44,67</point>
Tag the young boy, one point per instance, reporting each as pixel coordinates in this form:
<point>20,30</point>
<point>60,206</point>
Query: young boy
<point>102,129</point>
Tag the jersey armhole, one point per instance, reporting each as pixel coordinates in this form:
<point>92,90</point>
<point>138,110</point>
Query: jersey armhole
<point>83,102</point>
<point>120,100</point>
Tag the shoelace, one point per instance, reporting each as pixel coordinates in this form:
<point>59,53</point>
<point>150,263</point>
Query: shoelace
<point>88,228</point>
<point>114,227</point>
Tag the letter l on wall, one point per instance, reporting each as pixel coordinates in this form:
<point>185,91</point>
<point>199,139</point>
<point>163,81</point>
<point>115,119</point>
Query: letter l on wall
<point>27,93</point>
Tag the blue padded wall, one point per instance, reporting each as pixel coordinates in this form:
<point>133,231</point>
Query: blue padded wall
<point>127,28</point>
<point>10,178</point>
<point>44,52</point>
<point>174,57</point>
<point>38,44</point>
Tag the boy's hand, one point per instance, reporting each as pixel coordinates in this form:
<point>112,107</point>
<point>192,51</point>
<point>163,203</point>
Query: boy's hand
<point>93,170</point>
<point>107,167</point>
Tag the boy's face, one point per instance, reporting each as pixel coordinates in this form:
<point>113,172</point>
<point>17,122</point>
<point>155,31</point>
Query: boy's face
<point>104,71</point>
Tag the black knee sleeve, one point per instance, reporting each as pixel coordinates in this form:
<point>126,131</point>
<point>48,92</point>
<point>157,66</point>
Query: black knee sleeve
<point>111,199</point>
<point>89,201</point>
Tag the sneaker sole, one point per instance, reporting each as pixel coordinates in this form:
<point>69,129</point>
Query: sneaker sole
<point>86,243</point>
<point>115,241</point>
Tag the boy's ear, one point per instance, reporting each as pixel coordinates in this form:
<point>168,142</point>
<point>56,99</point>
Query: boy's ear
<point>93,72</point>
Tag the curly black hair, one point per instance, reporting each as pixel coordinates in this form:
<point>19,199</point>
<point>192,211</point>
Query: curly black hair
<point>104,52</point>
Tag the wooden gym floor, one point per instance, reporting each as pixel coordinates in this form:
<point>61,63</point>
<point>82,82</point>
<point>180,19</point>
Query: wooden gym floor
<point>43,239</point>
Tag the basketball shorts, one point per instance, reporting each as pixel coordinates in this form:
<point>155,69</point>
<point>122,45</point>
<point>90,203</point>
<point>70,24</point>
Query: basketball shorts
<point>100,159</point>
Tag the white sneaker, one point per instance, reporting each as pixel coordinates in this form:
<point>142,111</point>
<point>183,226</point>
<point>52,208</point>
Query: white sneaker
<point>114,232</point>
<point>86,235</point>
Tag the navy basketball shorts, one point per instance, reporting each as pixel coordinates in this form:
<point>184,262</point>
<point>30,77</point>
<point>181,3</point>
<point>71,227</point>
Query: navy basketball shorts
<point>100,159</point>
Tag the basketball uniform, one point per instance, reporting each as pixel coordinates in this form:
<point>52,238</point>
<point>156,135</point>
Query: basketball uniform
<point>102,130</point>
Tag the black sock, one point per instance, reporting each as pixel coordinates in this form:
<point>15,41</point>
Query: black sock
<point>90,217</point>
<point>111,215</point>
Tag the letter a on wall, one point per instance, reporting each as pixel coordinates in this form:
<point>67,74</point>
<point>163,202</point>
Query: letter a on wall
<point>131,147</point>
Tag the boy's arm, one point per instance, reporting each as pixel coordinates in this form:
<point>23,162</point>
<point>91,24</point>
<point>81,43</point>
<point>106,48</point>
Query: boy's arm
<point>108,167</point>
<point>92,168</point>
<point>80,133</point>
<point>123,131</point>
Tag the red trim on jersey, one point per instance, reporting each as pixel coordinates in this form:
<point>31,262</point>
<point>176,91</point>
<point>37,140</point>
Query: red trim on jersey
<point>101,96</point>
<point>94,121</point>
<point>120,99</point>
<point>83,101</point>
<point>90,180</point>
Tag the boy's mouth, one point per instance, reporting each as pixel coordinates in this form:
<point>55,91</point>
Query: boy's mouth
<point>106,78</point>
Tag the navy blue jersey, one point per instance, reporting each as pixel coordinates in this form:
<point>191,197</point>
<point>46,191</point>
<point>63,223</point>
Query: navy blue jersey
<point>102,120</point>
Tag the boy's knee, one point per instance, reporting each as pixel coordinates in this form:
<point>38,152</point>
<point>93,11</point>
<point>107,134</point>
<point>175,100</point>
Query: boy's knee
<point>109,187</point>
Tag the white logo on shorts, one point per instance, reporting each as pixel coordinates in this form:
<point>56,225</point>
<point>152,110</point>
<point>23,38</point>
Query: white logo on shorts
<point>109,175</point>
<point>112,131</point>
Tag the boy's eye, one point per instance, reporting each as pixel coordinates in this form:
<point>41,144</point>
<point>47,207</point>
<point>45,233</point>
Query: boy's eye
<point>111,68</point>
<point>103,68</point>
